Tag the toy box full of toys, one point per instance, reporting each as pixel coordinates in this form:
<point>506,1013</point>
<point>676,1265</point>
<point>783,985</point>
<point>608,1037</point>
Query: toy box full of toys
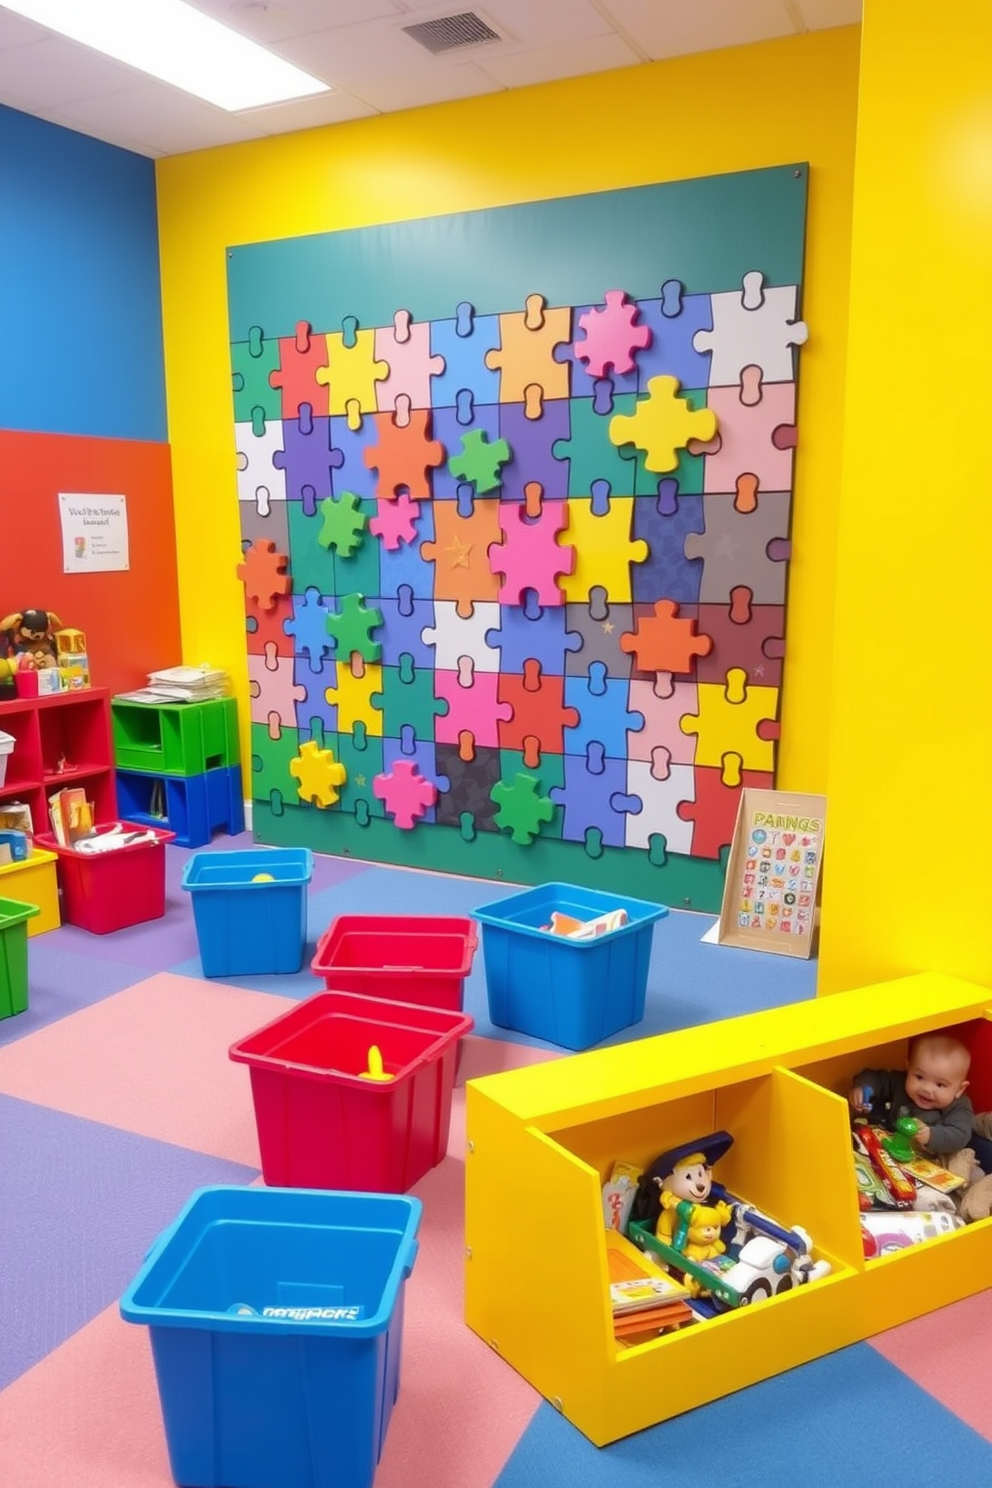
<point>38,656</point>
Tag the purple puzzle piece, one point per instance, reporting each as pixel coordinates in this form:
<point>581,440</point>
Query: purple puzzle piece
<point>666,570</point>
<point>531,444</point>
<point>671,350</point>
<point>354,475</point>
<point>308,459</point>
<point>315,704</point>
<point>400,631</point>
<point>585,797</point>
<point>544,639</point>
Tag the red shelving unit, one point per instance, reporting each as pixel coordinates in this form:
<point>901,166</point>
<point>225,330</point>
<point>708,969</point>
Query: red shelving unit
<point>60,740</point>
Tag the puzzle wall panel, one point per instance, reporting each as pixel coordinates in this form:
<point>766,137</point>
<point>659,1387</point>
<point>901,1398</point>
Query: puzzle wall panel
<point>516,496</point>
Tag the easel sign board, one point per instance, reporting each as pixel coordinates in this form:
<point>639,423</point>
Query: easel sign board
<point>773,873</point>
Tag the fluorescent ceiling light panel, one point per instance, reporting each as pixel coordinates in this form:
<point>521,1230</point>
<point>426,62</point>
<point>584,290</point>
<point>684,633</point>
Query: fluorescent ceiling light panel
<point>175,42</point>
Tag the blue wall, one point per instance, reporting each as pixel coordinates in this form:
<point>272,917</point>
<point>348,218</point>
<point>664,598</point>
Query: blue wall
<point>80,300</point>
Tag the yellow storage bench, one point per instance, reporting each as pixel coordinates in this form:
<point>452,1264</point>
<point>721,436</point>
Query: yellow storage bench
<point>542,1141</point>
<point>35,881</point>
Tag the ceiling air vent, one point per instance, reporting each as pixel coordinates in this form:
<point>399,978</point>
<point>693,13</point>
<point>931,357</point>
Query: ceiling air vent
<point>448,33</point>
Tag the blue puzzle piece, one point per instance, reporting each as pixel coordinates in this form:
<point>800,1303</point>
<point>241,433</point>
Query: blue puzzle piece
<point>401,629</point>
<point>603,719</point>
<point>308,627</point>
<point>315,704</point>
<point>352,444</point>
<point>308,459</point>
<point>451,433</point>
<point>405,566</point>
<point>671,350</point>
<point>667,570</point>
<point>464,359</point>
<point>586,799</point>
<point>544,639</point>
<point>532,456</point>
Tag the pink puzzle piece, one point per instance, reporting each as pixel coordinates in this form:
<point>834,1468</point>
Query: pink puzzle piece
<point>661,721</point>
<point>396,522</point>
<point>406,348</point>
<point>405,793</point>
<point>530,557</point>
<point>747,443</point>
<point>611,336</point>
<point>475,710</point>
<point>272,688</point>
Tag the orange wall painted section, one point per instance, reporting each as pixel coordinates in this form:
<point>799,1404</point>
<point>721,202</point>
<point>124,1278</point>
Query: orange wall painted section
<point>131,619</point>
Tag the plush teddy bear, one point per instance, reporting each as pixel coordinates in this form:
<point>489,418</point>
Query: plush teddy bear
<point>976,1198</point>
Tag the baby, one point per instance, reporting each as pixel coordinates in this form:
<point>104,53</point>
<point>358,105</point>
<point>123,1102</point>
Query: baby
<point>931,1089</point>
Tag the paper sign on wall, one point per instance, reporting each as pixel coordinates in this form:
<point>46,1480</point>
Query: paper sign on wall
<point>94,533</point>
<point>773,875</point>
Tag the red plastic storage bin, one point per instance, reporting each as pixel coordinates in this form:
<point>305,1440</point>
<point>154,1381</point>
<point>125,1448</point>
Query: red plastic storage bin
<point>320,1123</point>
<point>103,892</point>
<point>409,958</point>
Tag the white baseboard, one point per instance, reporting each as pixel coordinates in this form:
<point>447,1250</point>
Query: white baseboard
<point>248,815</point>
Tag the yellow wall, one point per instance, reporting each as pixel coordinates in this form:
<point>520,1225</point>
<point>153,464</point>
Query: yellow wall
<point>909,873</point>
<point>695,116</point>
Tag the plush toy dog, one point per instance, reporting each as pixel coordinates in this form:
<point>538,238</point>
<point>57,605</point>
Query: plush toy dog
<point>32,632</point>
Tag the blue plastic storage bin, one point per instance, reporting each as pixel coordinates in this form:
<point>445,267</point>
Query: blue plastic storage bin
<point>276,1324</point>
<point>247,925</point>
<point>569,992</point>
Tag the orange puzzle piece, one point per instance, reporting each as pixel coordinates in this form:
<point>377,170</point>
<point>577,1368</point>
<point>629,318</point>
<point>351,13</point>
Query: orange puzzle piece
<point>263,573</point>
<point>664,644</point>
<point>404,455</point>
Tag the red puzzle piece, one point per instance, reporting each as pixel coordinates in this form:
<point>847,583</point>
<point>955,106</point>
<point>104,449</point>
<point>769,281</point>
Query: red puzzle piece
<point>661,643</point>
<point>296,375</point>
<point>714,811</point>
<point>269,626</point>
<point>744,635</point>
<point>404,456</point>
<point>539,710</point>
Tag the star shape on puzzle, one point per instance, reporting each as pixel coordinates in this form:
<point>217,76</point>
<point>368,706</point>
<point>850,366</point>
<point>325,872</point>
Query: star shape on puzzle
<point>460,551</point>
<point>607,627</point>
<point>359,779</point>
<point>726,547</point>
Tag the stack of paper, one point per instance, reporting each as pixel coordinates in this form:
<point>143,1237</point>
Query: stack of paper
<point>181,684</point>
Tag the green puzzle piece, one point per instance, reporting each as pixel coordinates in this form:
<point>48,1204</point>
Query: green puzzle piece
<point>344,523</point>
<point>270,760</point>
<point>407,700</point>
<point>362,765</point>
<point>522,808</point>
<point>591,454</point>
<point>251,363</point>
<point>351,629</point>
<point>313,566</point>
<point>551,773</point>
<point>358,572</point>
<point>480,461</point>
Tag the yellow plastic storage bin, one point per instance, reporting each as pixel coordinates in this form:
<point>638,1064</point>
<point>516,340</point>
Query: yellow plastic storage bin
<point>542,1140</point>
<point>35,881</point>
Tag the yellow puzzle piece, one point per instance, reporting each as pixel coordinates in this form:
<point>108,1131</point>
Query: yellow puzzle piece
<point>353,695</point>
<point>727,723</point>
<point>352,373</point>
<point>319,774</point>
<point>604,550</point>
<point>662,424</point>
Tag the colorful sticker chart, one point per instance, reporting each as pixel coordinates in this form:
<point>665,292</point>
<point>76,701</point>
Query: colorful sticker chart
<point>773,875</point>
<point>515,529</point>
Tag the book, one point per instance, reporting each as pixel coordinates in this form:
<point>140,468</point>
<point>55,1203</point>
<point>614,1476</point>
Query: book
<point>645,1292</point>
<point>934,1176</point>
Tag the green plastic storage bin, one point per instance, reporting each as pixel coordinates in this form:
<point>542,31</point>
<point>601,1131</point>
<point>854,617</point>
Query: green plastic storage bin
<point>175,738</point>
<point>14,918</point>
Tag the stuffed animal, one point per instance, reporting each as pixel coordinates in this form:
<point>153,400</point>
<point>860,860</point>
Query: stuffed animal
<point>976,1199</point>
<point>32,632</point>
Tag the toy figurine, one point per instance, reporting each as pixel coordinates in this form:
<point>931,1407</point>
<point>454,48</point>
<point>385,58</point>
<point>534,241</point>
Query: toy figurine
<point>32,632</point>
<point>900,1145</point>
<point>684,1174</point>
<point>703,1241</point>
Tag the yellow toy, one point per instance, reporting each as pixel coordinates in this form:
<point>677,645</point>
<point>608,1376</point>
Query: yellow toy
<point>376,1070</point>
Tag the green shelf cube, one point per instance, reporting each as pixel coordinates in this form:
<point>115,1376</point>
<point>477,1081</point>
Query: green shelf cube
<point>176,738</point>
<point>14,918</point>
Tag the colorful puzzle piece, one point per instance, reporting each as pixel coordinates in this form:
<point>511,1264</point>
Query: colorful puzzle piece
<point>735,719</point>
<point>530,556</point>
<point>352,373</point>
<point>351,629</point>
<point>395,522</point>
<point>740,548</point>
<point>460,554</point>
<point>758,328</point>
<point>405,793</point>
<point>662,424</point>
<point>318,774</point>
<point>662,643</point>
<point>611,336</point>
<point>480,460</point>
<point>521,807</point>
<point>525,357</point>
<point>403,456</point>
<point>263,573</point>
<point>352,694</point>
<point>405,348</point>
<point>308,627</point>
<point>300,358</point>
<point>604,550</point>
<point>342,523</point>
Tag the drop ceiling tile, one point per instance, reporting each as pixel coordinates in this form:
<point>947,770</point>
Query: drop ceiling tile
<point>821,15</point>
<point>672,28</point>
<point>549,23</point>
<point>568,59</point>
<point>308,113</point>
<point>16,31</point>
<point>269,23</point>
<point>390,93</point>
<point>163,117</point>
<point>122,140</point>
<point>54,72</point>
